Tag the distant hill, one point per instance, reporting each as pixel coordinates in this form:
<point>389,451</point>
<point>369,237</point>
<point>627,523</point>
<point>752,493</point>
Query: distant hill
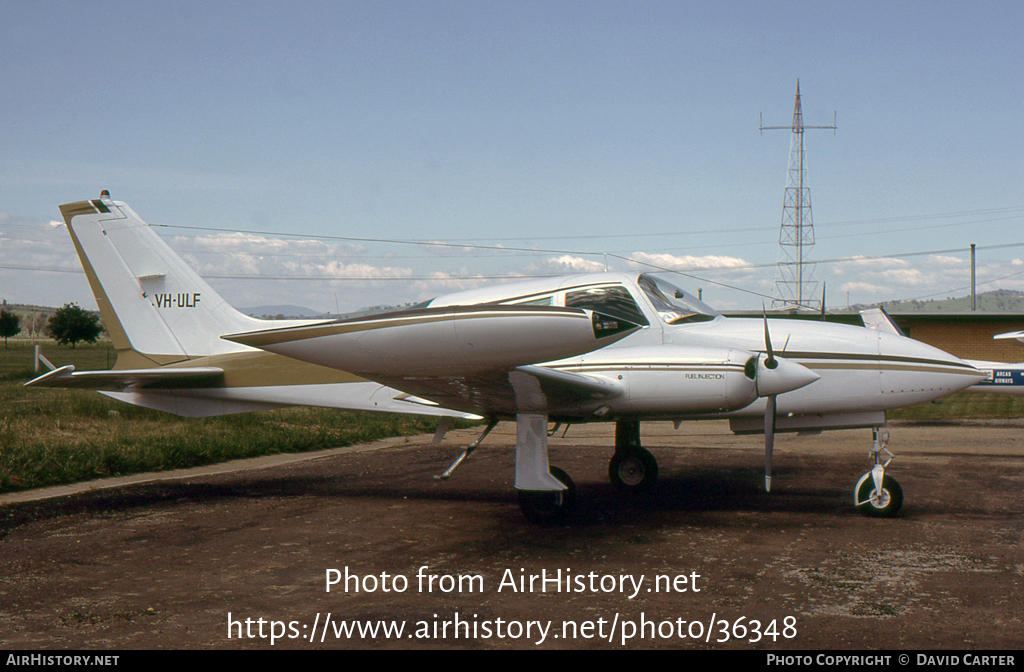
<point>996,301</point>
<point>280,312</point>
<point>374,310</point>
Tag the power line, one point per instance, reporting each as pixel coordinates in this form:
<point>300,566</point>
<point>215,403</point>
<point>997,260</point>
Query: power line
<point>835,260</point>
<point>461,242</point>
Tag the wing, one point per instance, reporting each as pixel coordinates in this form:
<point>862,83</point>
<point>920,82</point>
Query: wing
<point>505,393</point>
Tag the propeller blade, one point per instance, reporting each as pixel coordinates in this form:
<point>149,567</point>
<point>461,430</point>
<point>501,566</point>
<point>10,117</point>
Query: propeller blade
<point>769,440</point>
<point>822,301</point>
<point>770,362</point>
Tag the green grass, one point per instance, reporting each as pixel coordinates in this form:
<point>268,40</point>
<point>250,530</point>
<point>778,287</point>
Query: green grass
<point>52,436</point>
<point>964,405</point>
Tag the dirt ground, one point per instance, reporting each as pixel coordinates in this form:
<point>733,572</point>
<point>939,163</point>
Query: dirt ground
<point>163,564</point>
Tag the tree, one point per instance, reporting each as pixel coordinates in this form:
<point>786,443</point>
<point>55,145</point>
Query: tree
<point>8,325</point>
<point>71,324</point>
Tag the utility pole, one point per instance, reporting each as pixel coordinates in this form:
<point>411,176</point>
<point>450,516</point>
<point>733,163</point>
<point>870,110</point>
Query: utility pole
<point>795,286</point>
<point>974,295</point>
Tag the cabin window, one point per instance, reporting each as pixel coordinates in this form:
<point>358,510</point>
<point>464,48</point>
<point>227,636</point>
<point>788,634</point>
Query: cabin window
<point>613,301</point>
<point>543,301</point>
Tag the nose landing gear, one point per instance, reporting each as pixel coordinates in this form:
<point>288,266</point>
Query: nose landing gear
<point>633,472</point>
<point>876,493</point>
<point>633,469</point>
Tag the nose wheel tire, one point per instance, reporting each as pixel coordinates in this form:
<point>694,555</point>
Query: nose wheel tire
<point>634,471</point>
<point>549,507</point>
<point>884,504</point>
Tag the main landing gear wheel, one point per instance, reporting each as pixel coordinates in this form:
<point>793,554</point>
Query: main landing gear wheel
<point>884,504</point>
<point>634,471</point>
<point>549,507</point>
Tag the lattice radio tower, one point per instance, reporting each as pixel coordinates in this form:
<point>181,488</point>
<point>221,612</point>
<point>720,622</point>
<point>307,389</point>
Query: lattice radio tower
<point>795,286</point>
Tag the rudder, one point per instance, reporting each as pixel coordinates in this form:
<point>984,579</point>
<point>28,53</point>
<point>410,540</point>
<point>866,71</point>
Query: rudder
<point>153,304</point>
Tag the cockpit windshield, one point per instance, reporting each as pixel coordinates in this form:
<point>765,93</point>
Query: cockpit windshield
<point>674,305</point>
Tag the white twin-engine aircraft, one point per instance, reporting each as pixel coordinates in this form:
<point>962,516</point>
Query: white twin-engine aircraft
<point>621,347</point>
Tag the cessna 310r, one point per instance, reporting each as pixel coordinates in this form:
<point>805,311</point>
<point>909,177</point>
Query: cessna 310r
<point>622,347</point>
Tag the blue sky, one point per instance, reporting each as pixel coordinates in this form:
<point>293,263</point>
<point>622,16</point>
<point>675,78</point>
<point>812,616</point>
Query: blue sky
<point>575,127</point>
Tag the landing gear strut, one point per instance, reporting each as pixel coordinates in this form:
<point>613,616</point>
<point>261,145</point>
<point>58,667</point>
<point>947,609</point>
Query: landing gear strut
<point>633,469</point>
<point>546,494</point>
<point>878,494</point>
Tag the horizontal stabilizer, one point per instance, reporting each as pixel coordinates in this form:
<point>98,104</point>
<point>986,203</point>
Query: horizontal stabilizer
<point>1019,335</point>
<point>164,377</point>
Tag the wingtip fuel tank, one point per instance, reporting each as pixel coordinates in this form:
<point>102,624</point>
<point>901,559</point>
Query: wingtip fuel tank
<point>440,341</point>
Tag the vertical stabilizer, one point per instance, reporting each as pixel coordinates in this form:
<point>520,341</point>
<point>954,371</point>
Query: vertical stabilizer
<point>152,302</point>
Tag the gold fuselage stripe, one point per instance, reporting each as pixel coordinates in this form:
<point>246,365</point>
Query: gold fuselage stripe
<point>806,358</point>
<point>288,334</point>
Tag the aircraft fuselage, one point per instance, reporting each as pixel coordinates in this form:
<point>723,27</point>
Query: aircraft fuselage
<point>678,368</point>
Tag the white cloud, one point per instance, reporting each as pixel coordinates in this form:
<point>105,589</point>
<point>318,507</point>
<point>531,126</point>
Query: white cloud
<point>39,245</point>
<point>690,263</point>
<point>571,264</point>
<point>905,276</point>
<point>38,264</point>
<point>337,269</point>
<point>440,282</point>
<point>238,242</point>
<point>863,287</point>
<point>438,248</point>
<point>861,264</point>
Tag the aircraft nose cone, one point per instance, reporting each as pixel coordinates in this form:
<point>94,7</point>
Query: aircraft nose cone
<point>925,368</point>
<point>785,377</point>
